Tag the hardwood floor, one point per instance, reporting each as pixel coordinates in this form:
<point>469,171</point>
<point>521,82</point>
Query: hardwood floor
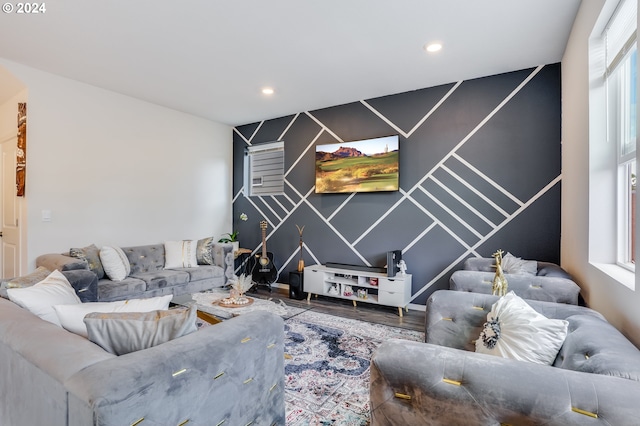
<point>412,320</point>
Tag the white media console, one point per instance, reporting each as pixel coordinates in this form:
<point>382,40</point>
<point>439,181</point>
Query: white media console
<point>370,287</point>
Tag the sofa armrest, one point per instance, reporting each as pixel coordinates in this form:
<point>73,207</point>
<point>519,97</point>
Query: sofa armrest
<point>224,257</point>
<point>84,282</point>
<point>232,372</point>
<point>546,288</point>
<point>421,383</point>
<point>60,262</point>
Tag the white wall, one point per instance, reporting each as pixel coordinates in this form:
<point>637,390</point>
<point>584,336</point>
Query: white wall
<point>616,302</point>
<point>116,170</point>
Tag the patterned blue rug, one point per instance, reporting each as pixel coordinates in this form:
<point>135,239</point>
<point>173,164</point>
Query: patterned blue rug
<point>327,367</point>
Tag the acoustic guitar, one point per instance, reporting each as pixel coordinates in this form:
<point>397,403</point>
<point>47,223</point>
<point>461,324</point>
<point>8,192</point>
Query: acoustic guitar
<point>263,270</point>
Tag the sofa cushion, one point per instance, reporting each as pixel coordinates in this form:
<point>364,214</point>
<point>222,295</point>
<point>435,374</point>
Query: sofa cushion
<point>71,316</point>
<point>204,272</point>
<point>515,330</point>
<point>120,333</point>
<point>165,278</point>
<point>595,346</point>
<point>180,254</point>
<point>91,254</point>
<point>145,258</point>
<point>115,262</point>
<point>40,298</point>
<point>117,290</point>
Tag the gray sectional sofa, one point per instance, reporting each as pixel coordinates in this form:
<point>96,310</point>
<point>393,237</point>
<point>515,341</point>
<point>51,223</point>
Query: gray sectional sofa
<point>230,373</point>
<point>594,380</point>
<point>148,278</point>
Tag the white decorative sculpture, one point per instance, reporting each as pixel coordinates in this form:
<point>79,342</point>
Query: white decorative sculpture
<point>403,267</point>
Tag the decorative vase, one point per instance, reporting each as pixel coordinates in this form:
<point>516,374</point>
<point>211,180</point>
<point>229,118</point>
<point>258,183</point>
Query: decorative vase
<point>301,244</point>
<point>236,246</point>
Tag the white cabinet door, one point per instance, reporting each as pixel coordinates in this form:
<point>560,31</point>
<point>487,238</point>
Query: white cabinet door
<point>313,280</point>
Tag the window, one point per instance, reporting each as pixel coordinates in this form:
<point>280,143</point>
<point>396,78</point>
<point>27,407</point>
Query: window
<point>621,81</point>
<point>264,169</point>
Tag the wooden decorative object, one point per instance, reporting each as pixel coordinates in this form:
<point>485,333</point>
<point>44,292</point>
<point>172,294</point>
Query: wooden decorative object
<point>21,151</point>
<point>301,261</point>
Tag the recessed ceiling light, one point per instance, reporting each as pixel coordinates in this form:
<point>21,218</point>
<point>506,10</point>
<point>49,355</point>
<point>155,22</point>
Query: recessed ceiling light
<point>267,91</point>
<point>432,47</point>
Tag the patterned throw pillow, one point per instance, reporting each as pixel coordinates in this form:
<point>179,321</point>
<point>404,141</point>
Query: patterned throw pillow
<point>91,254</point>
<point>516,330</point>
<point>203,252</point>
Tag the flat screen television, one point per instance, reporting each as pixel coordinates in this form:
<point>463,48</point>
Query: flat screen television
<point>368,165</point>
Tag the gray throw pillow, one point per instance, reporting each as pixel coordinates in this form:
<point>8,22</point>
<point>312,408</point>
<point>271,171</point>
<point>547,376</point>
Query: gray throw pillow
<point>91,254</point>
<point>124,332</point>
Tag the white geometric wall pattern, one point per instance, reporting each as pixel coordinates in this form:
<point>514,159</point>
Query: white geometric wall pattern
<point>479,170</point>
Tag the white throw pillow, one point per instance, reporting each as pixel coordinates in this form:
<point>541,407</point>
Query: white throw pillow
<point>71,317</point>
<point>40,298</point>
<point>180,254</point>
<point>515,330</point>
<point>518,266</point>
<point>115,263</point>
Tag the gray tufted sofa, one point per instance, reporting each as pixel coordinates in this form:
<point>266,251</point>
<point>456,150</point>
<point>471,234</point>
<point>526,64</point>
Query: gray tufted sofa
<point>550,284</point>
<point>595,379</point>
<point>231,373</point>
<point>148,278</point>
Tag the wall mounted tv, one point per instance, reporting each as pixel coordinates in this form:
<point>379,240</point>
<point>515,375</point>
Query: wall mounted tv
<point>368,165</point>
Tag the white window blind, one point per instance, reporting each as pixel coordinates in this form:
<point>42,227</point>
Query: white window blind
<point>620,33</point>
<point>264,169</point>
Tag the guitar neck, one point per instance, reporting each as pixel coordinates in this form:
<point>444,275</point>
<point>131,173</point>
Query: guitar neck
<point>264,243</point>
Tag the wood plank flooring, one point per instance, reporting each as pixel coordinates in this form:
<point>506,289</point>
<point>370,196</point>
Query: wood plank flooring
<point>412,320</point>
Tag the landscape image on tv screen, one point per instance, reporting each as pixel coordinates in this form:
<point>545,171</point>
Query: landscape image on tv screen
<point>361,166</point>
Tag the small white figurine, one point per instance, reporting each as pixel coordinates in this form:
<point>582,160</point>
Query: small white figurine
<point>403,267</point>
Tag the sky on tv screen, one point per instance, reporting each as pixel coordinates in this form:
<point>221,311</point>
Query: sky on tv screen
<point>367,146</point>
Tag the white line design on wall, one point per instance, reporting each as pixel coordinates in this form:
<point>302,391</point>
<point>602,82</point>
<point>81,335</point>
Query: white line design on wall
<point>438,220</point>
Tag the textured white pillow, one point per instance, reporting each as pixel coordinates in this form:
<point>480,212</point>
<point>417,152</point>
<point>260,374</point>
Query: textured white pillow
<point>180,254</point>
<point>518,266</point>
<point>40,298</point>
<point>515,330</point>
<point>115,263</point>
<point>71,317</point>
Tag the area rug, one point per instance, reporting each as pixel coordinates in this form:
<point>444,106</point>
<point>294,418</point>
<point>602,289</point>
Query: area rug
<point>327,367</point>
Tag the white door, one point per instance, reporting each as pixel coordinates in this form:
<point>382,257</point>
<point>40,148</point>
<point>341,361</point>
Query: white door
<point>10,237</point>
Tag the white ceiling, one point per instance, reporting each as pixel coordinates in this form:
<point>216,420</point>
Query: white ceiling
<point>210,58</point>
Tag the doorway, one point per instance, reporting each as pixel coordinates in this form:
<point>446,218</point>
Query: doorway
<point>10,253</point>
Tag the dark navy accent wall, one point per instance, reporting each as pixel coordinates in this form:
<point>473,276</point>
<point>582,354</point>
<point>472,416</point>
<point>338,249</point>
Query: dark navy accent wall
<point>479,170</point>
